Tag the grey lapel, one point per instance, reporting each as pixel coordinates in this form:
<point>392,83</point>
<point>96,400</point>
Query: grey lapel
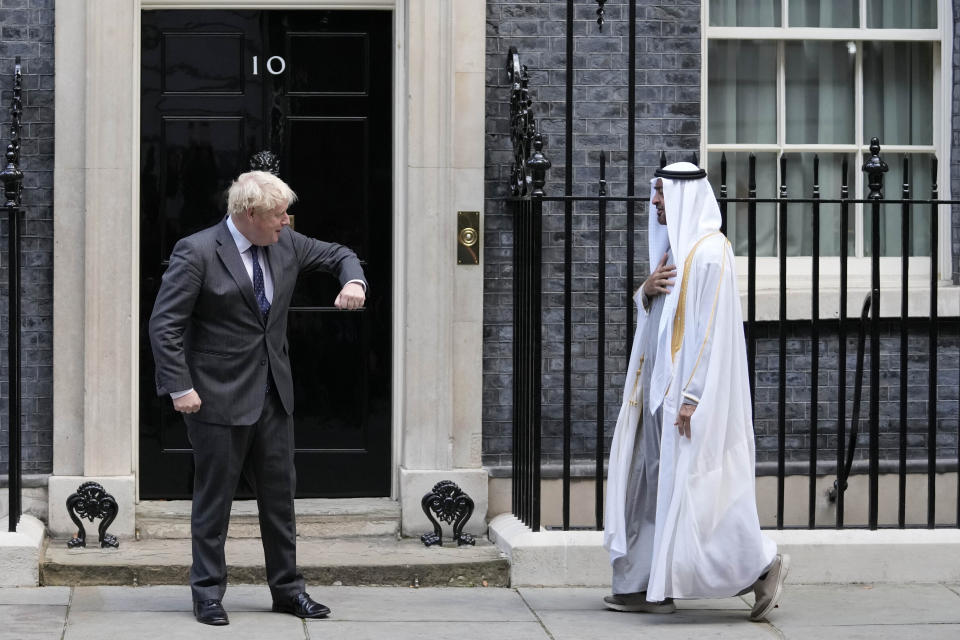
<point>227,250</point>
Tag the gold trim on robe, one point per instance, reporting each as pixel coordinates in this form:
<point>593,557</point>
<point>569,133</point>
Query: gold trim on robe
<point>636,382</point>
<point>713,315</point>
<point>678,317</point>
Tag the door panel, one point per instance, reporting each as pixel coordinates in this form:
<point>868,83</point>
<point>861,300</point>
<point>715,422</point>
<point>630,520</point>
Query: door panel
<point>217,87</point>
<point>204,63</point>
<point>328,79</point>
<point>340,184</point>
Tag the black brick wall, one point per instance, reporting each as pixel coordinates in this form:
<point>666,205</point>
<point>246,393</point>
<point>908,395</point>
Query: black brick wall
<point>668,110</point>
<point>799,351</point>
<point>668,103</point>
<point>26,30</point>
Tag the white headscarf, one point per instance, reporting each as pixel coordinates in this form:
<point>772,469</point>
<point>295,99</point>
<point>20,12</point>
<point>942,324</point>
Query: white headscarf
<point>692,212</point>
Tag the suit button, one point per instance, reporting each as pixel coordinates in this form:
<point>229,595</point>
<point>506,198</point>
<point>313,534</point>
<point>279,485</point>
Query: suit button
<point>263,362</point>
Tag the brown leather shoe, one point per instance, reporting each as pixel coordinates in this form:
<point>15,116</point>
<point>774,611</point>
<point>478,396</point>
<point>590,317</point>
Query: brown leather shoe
<point>302,606</point>
<point>210,612</point>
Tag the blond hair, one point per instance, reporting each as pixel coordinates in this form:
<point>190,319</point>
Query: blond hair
<point>260,191</point>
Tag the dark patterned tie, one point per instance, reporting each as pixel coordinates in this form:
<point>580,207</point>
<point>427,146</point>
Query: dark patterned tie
<point>258,288</point>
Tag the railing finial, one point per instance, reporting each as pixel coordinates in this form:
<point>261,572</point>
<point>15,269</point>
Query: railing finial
<point>538,163</point>
<point>528,174</point>
<point>11,175</point>
<point>875,167</point>
<point>602,186</point>
<point>265,160</point>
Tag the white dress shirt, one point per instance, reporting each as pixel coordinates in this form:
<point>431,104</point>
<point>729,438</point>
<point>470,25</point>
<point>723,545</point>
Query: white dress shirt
<point>243,246</point>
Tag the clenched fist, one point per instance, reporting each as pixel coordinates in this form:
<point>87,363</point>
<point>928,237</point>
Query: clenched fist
<point>351,297</point>
<point>189,403</point>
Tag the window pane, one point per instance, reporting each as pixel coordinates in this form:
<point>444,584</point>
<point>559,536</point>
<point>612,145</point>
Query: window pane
<point>738,186</point>
<point>898,92</point>
<point>742,91</point>
<point>901,14</point>
<point>919,172</point>
<point>820,92</point>
<point>824,13</point>
<point>745,13</point>
<point>800,182</point>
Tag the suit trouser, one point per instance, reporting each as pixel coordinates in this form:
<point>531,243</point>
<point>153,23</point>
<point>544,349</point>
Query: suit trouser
<point>263,453</point>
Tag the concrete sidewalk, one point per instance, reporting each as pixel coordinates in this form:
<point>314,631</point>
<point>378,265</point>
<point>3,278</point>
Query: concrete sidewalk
<point>874,612</point>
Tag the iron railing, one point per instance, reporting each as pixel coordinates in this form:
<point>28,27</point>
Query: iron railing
<point>527,180</point>
<point>12,179</point>
<point>530,206</point>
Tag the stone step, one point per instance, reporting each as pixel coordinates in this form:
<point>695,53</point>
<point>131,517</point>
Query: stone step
<point>334,561</point>
<point>316,518</point>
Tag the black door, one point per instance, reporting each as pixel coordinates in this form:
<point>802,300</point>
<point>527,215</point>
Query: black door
<point>314,89</point>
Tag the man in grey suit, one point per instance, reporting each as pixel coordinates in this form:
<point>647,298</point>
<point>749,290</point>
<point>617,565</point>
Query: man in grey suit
<point>219,337</point>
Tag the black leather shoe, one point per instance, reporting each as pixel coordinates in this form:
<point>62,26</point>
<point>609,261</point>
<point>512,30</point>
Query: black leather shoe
<point>302,606</point>
<point>210,612</point>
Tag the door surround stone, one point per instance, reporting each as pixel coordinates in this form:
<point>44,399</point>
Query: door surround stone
<point>438,170</point>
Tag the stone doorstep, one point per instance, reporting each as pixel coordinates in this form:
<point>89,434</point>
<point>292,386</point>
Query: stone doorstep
<point>316,518</point>
<point>822,556</point>
<point>346,561</point>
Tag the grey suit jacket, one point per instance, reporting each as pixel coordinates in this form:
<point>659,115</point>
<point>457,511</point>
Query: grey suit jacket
<point>207,332</point>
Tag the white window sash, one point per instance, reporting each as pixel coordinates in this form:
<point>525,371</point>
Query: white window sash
<point>820,33</point>
<point>800,288</point>
<point>942,111</point>
<point>858,271</point>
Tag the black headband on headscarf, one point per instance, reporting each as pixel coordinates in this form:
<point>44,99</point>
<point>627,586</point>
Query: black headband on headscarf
<point>695,173</point>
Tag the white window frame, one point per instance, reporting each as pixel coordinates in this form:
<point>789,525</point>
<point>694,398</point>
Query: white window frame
<point>799,267</point>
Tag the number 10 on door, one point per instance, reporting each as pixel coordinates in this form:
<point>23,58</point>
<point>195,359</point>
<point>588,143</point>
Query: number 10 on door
<point>275,65</point>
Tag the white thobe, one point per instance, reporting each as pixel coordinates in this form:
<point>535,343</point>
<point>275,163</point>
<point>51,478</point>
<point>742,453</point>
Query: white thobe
<point>706,534</point>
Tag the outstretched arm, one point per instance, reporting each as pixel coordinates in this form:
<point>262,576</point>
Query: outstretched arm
<point>317,255</point>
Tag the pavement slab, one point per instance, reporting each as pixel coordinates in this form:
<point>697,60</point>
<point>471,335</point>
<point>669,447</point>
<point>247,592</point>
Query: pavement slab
<point>165,598</point>
<point>875,632</point>
<point>614,625</point>
<point>151,625</point>
<point>35,595</point>
<point>423,605</point>
<point>452,629</point>
<point>862,605</point>
<point>569,613</point>
<point>131,599</point>
<point>347,603</point>
<point>591,599</point>
<point>32,621</point>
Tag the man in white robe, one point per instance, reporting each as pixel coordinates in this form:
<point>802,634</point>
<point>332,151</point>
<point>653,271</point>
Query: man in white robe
<point>681,516</point>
